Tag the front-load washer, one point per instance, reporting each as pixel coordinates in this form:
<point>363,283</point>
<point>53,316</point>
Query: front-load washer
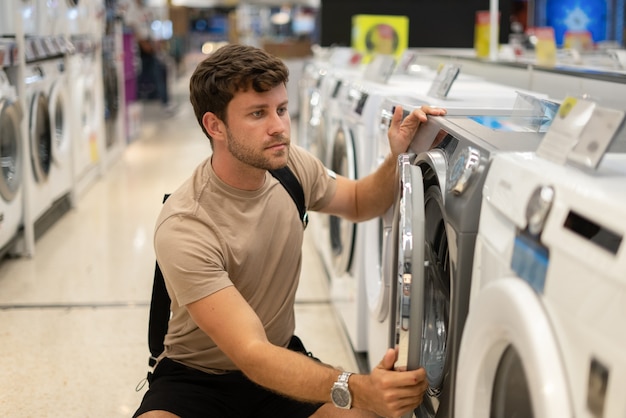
<point>87,119</point>
<point>433,236</point>
<point>544,334</point>
<point>38,142</point>
<point>351,142</point>
<point>60,174</point>
<point>11,180</point>
<point>314,126</point>
<point>378,277</point>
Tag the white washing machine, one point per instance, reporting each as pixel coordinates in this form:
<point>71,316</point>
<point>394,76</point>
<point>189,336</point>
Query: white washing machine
<point>87,117</point>
<point>544,334</point>
<point>351,154</point>
<point>38,142</point>
<point>18,16</point>
<point>333,95</point>
<point>430,243</point>
<point>11,150</point>
<point>60,175</point>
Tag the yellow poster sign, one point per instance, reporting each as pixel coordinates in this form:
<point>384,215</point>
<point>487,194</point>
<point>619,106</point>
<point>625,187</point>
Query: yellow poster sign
<point>380,34</point>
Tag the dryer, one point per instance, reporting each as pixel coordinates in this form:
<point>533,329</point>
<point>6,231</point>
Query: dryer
<point>544,333</point>
<point>11,156</point>
<point>432,241</point>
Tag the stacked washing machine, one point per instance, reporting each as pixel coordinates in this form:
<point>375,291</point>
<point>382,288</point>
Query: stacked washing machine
<point>11,151</point>
<point>421,301</point>
<point>545,335</point>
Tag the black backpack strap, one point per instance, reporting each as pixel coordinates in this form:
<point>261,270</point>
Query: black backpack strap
<point>289,181</point>
<point>159,315</point>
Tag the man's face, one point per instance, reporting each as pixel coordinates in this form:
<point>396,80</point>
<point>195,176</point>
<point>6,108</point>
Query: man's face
<point>258,128</point>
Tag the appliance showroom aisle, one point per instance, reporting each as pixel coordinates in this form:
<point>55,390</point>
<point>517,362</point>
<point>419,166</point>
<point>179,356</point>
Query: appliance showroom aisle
<point>73,319</point>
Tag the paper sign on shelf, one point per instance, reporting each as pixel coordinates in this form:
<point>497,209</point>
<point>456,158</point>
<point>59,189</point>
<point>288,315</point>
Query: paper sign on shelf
<point>596,137</point>
<point>566,128</point>
<point>442,83</point>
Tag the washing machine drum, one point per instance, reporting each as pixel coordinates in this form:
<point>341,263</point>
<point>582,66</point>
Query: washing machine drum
<point>40,137</point>
<point>10,149</point>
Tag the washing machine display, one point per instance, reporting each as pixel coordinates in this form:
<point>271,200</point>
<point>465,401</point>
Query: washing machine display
<point>547,274</point>
<point>451,158</point>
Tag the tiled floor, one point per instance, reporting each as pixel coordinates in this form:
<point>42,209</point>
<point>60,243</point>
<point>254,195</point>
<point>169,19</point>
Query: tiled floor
<point>73,319</point>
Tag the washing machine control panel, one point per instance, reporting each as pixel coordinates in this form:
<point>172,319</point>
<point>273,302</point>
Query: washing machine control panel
<point>463,169</point>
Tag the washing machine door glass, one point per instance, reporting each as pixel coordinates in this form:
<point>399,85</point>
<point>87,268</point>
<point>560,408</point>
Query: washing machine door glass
<point>10,149</point>
<point>511,396</point>
<point>437,295</point>
<point>343,232</point>
<point>40,137</point>
<point>59,128</point>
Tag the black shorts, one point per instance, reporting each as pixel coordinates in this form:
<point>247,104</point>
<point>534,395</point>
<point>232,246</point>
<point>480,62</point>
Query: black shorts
<point>191,393</point>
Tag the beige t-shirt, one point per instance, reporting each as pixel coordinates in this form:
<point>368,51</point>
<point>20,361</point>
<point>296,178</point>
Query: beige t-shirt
<point>210,236</point>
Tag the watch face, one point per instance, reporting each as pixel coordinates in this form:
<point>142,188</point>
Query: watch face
<point>341,397</point>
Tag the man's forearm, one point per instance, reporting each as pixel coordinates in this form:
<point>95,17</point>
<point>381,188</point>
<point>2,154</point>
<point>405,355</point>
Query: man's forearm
<point>375,192</point>
<point>298,376</point>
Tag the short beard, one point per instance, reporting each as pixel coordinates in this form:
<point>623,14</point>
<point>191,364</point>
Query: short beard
<point>249,156</point>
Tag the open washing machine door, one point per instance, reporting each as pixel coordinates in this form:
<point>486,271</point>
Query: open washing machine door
<point>10,148</point>
<point>422,303</point>
<point>510,363</point>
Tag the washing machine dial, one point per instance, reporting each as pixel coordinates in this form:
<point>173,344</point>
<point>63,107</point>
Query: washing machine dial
<point>538,208</point>
<point>463,168</point>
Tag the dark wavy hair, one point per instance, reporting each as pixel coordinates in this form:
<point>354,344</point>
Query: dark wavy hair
<point>230,69</point>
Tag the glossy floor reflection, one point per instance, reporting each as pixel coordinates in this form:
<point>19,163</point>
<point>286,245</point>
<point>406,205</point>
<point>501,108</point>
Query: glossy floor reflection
<point>73,318</point>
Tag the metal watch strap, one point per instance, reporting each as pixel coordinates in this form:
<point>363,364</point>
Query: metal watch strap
<point>343,377</point>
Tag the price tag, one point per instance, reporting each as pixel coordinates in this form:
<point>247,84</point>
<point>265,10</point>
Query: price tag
<point>380,68</point>
<point>565,130</point>
<point>596,137</point>
<point>443,81</point>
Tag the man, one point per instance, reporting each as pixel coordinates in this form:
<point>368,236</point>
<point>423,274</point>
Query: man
<point>228,242</point>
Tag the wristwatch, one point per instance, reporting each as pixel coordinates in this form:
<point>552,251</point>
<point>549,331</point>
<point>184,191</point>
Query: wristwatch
<point>340,393</point>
